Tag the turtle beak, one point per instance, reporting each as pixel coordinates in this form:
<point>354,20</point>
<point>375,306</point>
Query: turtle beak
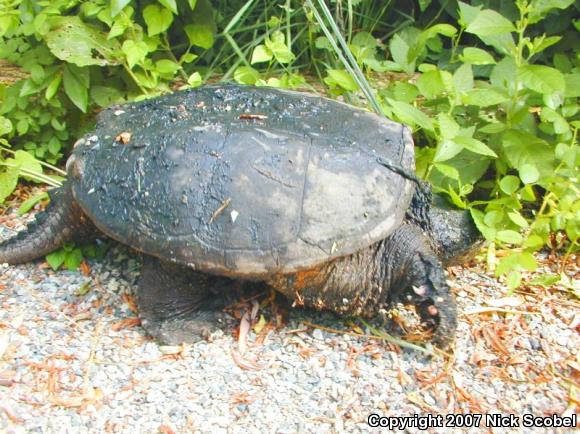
<point>456,236</point>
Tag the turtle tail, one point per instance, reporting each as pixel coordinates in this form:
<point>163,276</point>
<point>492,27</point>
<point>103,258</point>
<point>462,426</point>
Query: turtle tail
<point>62,221</point>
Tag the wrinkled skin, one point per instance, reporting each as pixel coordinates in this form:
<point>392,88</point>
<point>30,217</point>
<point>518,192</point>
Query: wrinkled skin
<point>178,304</point>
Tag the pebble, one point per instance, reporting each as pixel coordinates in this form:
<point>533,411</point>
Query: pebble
<point>134,385</point>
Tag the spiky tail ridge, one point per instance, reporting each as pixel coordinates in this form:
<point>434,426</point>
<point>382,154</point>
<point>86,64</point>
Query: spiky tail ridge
<point>62,221</point>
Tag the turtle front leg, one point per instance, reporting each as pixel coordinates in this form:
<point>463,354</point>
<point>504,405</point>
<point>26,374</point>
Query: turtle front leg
<point>177,304</point>
<point>416,277</point>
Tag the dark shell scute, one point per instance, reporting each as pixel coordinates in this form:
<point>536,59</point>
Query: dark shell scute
<point>244,181</point>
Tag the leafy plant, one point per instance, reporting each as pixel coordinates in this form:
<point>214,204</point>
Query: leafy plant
<point>490,89</point>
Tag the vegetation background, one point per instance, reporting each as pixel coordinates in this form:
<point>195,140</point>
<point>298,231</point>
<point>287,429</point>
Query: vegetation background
<point>490,88</point>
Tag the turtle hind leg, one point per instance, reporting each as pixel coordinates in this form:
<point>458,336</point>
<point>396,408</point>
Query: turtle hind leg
<point>177,304</point>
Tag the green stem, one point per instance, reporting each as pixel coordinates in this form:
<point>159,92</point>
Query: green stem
<point>135,79</point>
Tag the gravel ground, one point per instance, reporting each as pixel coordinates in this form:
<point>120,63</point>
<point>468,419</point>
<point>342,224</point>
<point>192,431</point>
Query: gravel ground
<point>81,363</point>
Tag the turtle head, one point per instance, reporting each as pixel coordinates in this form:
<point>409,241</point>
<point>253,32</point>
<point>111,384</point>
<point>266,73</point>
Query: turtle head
<point>452,231</point>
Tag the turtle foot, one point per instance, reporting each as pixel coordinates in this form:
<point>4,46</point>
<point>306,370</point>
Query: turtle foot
<point>178,305</point>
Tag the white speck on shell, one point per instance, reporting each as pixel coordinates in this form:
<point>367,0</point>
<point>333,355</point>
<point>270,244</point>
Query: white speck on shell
<point>234,215</point>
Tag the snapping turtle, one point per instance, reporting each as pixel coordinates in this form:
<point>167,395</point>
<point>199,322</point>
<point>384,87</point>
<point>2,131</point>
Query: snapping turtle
<point>309,195</point>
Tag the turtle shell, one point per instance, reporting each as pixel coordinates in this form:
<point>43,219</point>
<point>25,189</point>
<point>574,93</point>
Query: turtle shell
<point>243,181</point>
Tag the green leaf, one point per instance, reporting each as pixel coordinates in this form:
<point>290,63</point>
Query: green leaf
<point>514,280</point>
<point>73,259</point>
<point>486,231</point>
<point>192,4</point>
<point>572,85</point>
<point>135,52</point>
<point>449,171</point>
<point>56,259</point>
<point>446,150</point>
<point>169,4</point>
<point>24,160</point>
<point>463,78</point>
<point>8,182</point>
<point>448,128</point>
<point>509,184</point>
<point>516,261</point>
<point>540,8</point>
<point>5,126</point>
<point>490,23</point>
<point>509,236</point>
<point>523,148</point>
<point>540,43</point>
<point>405,92</point>
<point>517,218</point>
<point>476,56</point>
<point>475,146</point>
<point>30,202</point>
<point>529,173</point>
<point>340,78</point>
<point>542,79</point>
<point>430,84</point>
<point>195,79</point>
<point>75,89</point>
<point>410,115</point>
<point>157,18</point>
<point>276,44</point>
<point>167,66</point>
<point>534,242</point>
<point>418,47</point>
<point>117,6</point>
<point>53,86</point>
<point>261,54</point>
<point>399,51</point>
<point>484,97</point>
<point>75,42</point>
<point>246,75</point>
<point>545,280</point>
<point>200,35</point>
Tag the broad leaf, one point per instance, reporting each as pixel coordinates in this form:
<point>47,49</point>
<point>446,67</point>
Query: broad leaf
<point>246,75</point>
<point>540,8</point>
<point>169,4</point>
<point>261,54</point>
<point>475,146</point>
<point>135,52</point>
<point>157,18</point>
<point>476,56</point>
<point>200,35</point>
<point>430,84</point>
<point>75,42</point>
<point>75,89</point>
<point>448,128</point>
<point>446,150</point>
<point>410,115</point>
<point>8,182</point>
<point>5,125</point>
<point>463,78</point>
<point>117,6</point>
<point>484,97</point>
<point>55,259</point>
<point>489,23</point>
<point>341,78</point>
<point>529,173</point>
<point>509,184</point>
<point>542,79</point>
